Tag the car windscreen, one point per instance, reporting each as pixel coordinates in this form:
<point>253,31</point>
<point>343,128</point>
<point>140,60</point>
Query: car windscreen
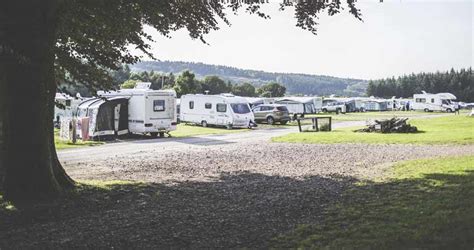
<point>282,108</point>
<point>240,108</point>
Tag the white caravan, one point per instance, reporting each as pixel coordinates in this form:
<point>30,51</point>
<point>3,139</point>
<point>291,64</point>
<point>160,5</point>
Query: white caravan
<point>64,106</point>
<point>309,104</point>
<point>219,110</point>
<point>434,102</point>
<point>149,111</point>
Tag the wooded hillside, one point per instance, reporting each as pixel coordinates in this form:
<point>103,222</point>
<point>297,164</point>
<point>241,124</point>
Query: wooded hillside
<point>295,83</point>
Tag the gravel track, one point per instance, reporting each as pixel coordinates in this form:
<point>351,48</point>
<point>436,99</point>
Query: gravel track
<point>206,163</point>
<point>238,194</point>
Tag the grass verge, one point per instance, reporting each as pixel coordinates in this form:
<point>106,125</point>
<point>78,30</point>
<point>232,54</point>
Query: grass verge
<point>423,204</point>
<point>440,130</point>
<point>184,130</point>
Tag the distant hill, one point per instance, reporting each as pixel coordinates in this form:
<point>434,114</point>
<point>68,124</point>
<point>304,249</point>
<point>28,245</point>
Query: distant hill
<point>296,84</point>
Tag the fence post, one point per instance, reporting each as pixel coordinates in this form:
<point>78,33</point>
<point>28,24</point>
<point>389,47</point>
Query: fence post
<point>330,123</point>
<point>299,124</point>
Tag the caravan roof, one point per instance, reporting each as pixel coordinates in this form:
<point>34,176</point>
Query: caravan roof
<point>300,99</point>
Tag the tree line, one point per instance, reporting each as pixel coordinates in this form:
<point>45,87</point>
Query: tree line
<point>187,83</point>
<point>458,82</point>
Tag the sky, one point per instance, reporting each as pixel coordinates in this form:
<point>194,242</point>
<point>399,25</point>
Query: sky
<point>395,38</point>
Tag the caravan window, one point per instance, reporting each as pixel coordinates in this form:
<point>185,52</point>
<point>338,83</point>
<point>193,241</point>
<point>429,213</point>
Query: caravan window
<point>191,105</point>
<point>208,105</point>
<point>158,105</point>
<point>432,100</point>
<point>423,100</point>
<point>240,108</point>
<point>220,107</point>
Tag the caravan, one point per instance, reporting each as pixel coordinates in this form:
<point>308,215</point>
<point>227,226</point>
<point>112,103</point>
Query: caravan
<point>302,104</point>
<point>64,106</point>
<point>434,102</point>
<point>149,111</point>
<point>219,110</point>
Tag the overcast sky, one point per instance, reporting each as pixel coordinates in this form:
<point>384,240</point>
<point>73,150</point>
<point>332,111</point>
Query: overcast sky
<point>396,37</point>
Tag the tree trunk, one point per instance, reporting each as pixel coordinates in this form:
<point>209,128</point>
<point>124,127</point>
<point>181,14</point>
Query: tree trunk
<point>27,37</point>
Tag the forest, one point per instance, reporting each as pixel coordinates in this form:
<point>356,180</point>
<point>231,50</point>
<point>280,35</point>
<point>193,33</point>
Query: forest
<point>458,82</point>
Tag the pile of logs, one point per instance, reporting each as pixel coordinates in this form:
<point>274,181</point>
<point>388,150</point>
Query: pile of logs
<point>394,125</point>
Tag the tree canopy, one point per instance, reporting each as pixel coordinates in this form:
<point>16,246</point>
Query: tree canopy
<point>272,90</point>
<point>45,42</point>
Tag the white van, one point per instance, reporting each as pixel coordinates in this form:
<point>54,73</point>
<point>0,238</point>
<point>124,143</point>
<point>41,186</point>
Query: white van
<point>149,111</point>
<point>434,102</point>
<point>219,110</point>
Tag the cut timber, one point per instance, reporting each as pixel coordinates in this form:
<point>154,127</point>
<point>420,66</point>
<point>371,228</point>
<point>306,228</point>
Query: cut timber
<point>393,125</point>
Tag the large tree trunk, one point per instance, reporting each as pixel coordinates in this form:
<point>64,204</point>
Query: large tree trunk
<point>30,166</point>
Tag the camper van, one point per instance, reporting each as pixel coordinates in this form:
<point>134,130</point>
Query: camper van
<point>434,102</point>
<point>149,111</point>
<point>224,110</point>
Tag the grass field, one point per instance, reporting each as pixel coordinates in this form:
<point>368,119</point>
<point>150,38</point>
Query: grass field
<point>424,204</point>
<point>184,130</point>
<point>365,116</point>
<point>441,130</point>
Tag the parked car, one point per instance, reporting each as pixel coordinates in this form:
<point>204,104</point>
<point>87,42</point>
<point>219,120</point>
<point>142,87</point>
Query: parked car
<point>271,113</point>
<point>332,106</point>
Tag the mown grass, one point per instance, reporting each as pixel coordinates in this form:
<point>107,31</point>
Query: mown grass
<point>184,130</point>
<point>363,116</point>
<point>61,144</point>
<point>441,130</point>
<point>423,204</point>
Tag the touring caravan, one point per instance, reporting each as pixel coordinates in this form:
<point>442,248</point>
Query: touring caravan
<point>149,111</point>
<point>434,102</point>
<point>219,110</point>
<point>310,104</point>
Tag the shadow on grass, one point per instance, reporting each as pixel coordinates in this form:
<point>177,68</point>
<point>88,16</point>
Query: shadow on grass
<point>249,210</point>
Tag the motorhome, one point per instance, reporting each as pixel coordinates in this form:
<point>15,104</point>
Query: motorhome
<point>149,111</point>
<point>434,102</point>
<point>224,110</point>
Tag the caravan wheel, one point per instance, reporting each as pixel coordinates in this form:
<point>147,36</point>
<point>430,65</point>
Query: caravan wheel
<point>426,110</point>
<point>449,110</point>
<point>154,134</point>
<point>204,124</point>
